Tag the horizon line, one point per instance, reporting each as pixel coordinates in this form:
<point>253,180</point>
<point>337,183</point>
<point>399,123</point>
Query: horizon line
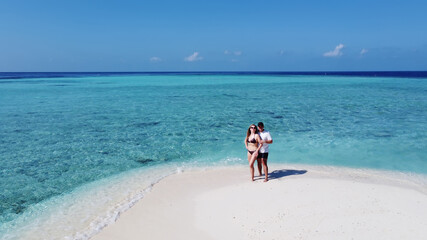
<point>219,71</point>
<point>404,74</point>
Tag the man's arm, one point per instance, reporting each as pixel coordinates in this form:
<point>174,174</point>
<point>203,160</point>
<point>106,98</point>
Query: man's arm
<point>269,140</point>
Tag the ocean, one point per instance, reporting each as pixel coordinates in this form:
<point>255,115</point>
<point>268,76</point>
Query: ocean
<point>77,149</point>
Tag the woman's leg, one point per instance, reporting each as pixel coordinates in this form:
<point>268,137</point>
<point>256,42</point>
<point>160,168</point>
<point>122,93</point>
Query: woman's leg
<point>251,165</point>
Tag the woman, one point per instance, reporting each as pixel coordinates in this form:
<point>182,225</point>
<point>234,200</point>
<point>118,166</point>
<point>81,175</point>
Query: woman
<point>252,143</point>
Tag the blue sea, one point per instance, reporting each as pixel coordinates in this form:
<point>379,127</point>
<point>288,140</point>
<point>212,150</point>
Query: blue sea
<point>77,149</point>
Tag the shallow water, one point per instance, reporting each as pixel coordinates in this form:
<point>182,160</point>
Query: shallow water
<point>61,135</point>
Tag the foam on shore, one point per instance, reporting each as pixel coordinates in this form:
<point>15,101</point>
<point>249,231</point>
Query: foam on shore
<point>85,211</point>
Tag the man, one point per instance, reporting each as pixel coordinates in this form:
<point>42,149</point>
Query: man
<point>263,151</point>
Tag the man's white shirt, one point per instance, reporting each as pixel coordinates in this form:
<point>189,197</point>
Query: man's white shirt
<point>264,135</point>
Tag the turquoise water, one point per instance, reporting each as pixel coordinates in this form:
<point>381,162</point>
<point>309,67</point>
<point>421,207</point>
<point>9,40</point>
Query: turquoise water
<point>59,135</point>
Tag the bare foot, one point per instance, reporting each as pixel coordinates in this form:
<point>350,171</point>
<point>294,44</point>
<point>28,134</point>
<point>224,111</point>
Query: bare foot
<point>265,180</point>
<point>253,180</point>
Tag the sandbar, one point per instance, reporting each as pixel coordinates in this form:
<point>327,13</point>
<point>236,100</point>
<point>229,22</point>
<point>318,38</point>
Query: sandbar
<point>299,202</point>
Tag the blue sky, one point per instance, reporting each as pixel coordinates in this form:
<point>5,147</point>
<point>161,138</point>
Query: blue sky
<point>92,35</point>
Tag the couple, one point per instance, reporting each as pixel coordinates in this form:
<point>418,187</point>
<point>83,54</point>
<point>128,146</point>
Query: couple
<point>256,142</point>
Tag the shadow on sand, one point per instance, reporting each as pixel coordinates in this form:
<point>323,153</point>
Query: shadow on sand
<point>276,174</point>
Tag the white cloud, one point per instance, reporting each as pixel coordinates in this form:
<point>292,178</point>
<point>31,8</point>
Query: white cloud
<point>336,52</point>
<point>155,59</point>
<point>193,57</point>
<point>235,53</point>
<point>363,51</point>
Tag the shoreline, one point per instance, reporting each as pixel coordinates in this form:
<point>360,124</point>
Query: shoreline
<point>86,210</point>
<point>301,201</point>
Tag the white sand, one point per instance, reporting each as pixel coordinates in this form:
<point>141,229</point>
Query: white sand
<point>304,202</point>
